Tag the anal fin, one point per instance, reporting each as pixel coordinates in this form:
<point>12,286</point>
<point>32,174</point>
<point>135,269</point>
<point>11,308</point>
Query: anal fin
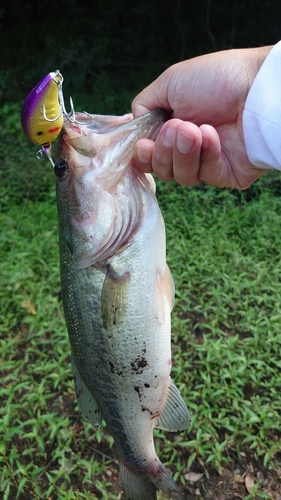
<point>174,415</point>
<point>86,402</point>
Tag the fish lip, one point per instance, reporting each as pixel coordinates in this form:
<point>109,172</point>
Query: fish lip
<point>155,114</point>
<point>71,131</point>
<point>164,113</point>
<point>159,115</point>
<point>74,130</point>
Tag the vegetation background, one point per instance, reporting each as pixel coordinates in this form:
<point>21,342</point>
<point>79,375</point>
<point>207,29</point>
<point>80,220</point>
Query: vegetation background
<point>111,49</point>
<point>223,249</point>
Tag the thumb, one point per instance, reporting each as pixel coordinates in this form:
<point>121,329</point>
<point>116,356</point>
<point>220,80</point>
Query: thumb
<point>152,97</point>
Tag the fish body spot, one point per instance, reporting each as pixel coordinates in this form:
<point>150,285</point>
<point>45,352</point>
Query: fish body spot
<point>139,364</point>
<point>138,390</point>
<point>144,408</point>
<point>153,415</point>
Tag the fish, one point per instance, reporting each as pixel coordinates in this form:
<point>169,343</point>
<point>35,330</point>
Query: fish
<point>118,293</point>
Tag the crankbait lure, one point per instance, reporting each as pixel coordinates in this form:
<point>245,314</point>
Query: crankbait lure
<point>43,112</point>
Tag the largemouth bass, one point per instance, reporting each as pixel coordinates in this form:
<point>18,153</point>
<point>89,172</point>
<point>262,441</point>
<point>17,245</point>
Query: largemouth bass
<point>118,293</point>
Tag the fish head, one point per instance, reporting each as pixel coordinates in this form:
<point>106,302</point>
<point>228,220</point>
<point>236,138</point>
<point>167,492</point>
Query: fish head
<point>98,189</point>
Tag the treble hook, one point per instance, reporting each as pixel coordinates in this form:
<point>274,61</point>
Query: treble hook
<point>47,150</point>
<point>85,123</point>
<point>58,79</point>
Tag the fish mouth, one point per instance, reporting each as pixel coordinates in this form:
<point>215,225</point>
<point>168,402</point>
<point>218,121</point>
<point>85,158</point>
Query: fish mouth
<point>90,135</point>
<point>86,124</point>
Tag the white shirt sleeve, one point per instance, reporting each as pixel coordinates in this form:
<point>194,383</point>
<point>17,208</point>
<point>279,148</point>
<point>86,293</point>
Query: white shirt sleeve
<point>262,114</point>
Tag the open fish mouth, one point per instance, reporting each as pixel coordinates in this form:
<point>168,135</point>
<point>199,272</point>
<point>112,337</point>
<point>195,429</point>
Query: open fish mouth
<point>103,124</point>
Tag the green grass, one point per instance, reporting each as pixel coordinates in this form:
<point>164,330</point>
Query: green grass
<point>223,249</point>
<point>224,254</point>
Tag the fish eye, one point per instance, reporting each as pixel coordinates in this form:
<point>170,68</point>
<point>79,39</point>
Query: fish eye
<point>60,168</point>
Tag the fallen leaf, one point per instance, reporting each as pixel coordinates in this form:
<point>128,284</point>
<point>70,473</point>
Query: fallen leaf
<point>249,482</point>
<point>28,305</point>
<point>193,476</point>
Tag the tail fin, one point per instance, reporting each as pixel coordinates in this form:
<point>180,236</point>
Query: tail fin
<point>143,486</point>
<point>136,486</point>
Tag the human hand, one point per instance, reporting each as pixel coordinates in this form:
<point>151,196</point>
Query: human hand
<point>203,140</point>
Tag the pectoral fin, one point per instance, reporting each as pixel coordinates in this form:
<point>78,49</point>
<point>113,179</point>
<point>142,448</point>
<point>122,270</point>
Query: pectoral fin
<point>114,298</point>
<point>86,402</point>
<point>165,292</point>
<point>169,287</point>
<point>174,415</point>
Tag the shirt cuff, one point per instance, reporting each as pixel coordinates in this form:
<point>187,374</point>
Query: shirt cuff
<point>262,114</point>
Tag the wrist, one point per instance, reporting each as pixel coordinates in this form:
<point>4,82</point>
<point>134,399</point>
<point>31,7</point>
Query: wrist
<point>260,54</point>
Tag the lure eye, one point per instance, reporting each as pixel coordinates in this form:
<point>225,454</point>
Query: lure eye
<point>60,168</point>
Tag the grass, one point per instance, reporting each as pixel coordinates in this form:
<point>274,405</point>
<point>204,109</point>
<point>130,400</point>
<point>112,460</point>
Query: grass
<point>223,249</point>
<point>226,323</point>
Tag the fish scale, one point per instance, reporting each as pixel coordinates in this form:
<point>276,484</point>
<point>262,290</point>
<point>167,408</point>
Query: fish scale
<point>118,294</point>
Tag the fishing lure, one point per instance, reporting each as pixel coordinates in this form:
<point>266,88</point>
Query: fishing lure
<point>43,112</point>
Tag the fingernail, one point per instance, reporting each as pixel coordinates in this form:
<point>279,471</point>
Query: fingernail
<point>144,155</point>
<point>169,137</point>
<point>184,142</point>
